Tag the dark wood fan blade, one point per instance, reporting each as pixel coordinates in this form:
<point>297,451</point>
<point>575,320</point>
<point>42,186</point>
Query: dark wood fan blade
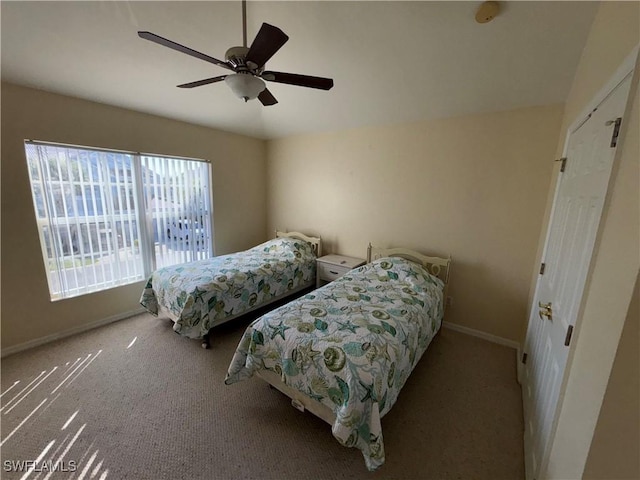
<point>206,81</point>
<point>181,48</point>
<point>267,98</point>
<point>300,80</point>
<point>268,41</point>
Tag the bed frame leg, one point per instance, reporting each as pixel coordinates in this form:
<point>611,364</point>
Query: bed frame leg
<point>297,405</point>
<point>205,342</point>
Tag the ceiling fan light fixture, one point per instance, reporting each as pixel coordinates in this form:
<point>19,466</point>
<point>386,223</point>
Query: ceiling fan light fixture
<point>245,85</point>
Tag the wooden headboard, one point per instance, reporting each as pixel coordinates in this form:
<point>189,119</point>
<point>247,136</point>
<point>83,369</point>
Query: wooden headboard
<point>316,242</point>
<point>436,266</point>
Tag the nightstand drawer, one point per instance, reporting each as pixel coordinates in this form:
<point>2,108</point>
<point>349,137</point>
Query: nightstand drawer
<point>332,267</point>
<point>331,272</point>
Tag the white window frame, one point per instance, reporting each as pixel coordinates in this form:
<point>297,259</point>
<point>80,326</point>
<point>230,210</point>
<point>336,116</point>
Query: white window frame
<point>144,218</point>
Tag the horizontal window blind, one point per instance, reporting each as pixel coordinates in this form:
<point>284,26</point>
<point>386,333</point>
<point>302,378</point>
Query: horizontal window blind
<point>108,218</point>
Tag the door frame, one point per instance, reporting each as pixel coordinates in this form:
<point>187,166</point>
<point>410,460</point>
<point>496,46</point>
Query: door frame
<point>629,65</point>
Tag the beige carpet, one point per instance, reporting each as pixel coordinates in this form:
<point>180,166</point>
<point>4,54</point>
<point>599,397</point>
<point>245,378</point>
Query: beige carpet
<point>158,409</point>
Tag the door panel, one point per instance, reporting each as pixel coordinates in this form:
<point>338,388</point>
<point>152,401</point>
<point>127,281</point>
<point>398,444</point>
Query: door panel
<point>573,228</point>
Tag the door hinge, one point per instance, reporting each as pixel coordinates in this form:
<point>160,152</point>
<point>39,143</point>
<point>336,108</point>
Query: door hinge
<point>542,267</point>
<point>616,132</point>
<point>524,358</point>
<point>567,339</point>
<point>563,164</point>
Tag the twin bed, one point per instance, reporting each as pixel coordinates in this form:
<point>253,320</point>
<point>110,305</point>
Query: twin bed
<point>345,350</point>
<point>198,296</point>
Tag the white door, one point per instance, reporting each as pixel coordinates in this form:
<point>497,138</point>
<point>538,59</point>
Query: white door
<point>575,217</point>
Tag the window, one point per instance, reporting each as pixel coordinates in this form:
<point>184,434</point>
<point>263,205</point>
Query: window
<point>109,218</point>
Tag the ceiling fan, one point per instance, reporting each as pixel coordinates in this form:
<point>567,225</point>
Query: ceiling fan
<point>248,64</point>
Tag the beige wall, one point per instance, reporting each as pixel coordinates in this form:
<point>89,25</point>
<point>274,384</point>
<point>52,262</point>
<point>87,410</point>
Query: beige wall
<point>239,191</point>
<point>614,34</point>
<point>616,441</point>
<point>615,31</point>
<point>473,187</point>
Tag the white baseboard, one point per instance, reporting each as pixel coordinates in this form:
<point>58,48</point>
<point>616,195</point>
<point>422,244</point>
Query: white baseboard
<point>483,335</point>
<point>67,333</point>
<point>491,338</point>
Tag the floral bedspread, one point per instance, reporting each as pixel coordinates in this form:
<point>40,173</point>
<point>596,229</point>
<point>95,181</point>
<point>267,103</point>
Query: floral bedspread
<point>197,294</point>
<point>350,345</point>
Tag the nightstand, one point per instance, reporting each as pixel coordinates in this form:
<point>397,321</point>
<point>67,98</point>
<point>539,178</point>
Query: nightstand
<point>331,267</point>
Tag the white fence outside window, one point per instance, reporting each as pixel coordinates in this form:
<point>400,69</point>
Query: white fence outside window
<point>109,218</point>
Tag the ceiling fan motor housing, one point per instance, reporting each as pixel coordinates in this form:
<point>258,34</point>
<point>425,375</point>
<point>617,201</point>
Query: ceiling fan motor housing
<point>236,57</point>
<point>244,83</point>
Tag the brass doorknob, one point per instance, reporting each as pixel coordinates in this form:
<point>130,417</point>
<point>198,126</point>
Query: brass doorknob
<point>545,310</point>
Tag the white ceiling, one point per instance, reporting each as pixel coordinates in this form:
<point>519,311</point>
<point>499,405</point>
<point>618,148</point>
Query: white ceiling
<point>391,62</point>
